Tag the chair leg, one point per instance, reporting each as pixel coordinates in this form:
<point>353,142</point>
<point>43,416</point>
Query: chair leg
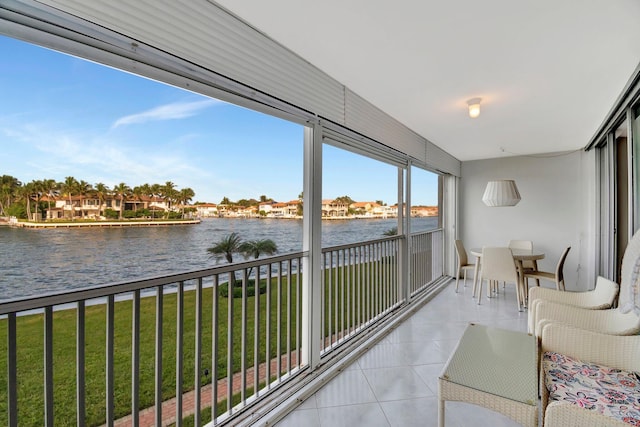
<point>480,290</point>
<point>457,279</point>
<point>519,296</point>
<point>477,274</point>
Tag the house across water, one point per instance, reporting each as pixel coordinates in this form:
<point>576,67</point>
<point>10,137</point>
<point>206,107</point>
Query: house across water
<point>90,207</point>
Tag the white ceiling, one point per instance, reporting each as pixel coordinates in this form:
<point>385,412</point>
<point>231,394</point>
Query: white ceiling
<point>547,71</point>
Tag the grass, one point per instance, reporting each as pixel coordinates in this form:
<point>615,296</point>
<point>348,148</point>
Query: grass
<point>347,289</point>
<point>30,353</point>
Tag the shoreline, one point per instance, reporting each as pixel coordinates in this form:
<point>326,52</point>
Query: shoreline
<point>156,223</point>
<point>328,218</point>
<point>110,224</point>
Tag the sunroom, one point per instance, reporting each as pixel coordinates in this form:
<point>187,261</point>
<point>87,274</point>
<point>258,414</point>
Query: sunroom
<point>558,87</point>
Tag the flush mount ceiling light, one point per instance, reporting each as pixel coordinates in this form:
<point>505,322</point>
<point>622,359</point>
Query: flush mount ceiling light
<point>501,193</point>
<point>474,107</point>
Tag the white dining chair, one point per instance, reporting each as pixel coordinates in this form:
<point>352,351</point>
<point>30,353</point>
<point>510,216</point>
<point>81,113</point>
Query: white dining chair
<point>557,276</point>
<point>463,263</point>
<point>526,245</point>
<point>527,265</point>
<point>498,266</point>
<point>521,244</point>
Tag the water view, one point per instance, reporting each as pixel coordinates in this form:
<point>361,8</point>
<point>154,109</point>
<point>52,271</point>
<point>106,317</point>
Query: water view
<point>44,261</point>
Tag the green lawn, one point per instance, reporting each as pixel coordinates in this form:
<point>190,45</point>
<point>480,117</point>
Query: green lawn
<point>30,353</point>
<point>346,292</point>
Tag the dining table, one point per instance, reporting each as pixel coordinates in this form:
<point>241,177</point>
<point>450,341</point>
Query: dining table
<point>519,255</point>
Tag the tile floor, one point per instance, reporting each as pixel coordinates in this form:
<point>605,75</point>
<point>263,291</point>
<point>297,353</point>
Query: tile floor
<point>396,382</point>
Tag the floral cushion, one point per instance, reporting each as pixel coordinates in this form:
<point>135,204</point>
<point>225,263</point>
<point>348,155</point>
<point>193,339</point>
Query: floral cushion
<point>611,392</point>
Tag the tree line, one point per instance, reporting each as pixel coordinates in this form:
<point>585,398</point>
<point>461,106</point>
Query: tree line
<point>246,203</point>
<point>21,199</point>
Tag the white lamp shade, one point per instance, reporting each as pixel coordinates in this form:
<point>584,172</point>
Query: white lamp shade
<point>501,193</point>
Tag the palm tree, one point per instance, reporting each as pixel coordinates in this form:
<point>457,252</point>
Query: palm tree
<point>257,247</point>
<point>391,231</point>
<point>69,187</point>
<point>345,201</point>
<point>121,190</point>
<point>84,189</point>
<point>155,190</point>
<point>25,192</point>
<point>37,190</point>
<point>50,187</point>
<point>9,187</point>
<point>147,193</point>
<point>169,194</point>
<point>102,191</point>
<point>185,196</point>
<point>226,247</point>
<point>138,192</point>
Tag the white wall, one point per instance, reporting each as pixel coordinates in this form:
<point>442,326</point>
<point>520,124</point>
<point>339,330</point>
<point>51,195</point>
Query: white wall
<point>557,210</point>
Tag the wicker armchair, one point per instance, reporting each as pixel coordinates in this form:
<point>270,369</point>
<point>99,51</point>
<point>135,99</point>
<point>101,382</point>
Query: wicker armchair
<point>607,350</point>
<point>602,297</point>
<point>614,321</point>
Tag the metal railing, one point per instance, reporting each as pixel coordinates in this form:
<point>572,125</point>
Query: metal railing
<point>220,338</point>
<point>427,259</point>
<point>360,285</point>
<point>110,351</point>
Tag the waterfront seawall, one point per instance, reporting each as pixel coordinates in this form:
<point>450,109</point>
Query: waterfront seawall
<point>103,224</point>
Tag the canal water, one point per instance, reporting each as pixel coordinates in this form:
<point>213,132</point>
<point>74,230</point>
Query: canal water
<point>35,262</point>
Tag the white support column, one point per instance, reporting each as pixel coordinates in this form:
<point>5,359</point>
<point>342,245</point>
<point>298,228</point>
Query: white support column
<point>312,245</point>
<point>450,218</point>
<point>404,229</point>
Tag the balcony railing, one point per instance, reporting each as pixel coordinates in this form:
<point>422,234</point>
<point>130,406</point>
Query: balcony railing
<point>221,338</point>
<point>361,285</point>
<point>163,336</point>
<point>427,259</point>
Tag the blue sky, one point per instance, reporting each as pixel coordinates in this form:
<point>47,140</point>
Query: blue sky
<point>63,116</point>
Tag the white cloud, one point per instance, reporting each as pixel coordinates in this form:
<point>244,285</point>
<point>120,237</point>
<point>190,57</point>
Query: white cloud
<point>178,110</point>
<point>52,153</point>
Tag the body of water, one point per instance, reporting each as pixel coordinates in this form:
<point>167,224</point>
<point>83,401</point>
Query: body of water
<point>34,261</point>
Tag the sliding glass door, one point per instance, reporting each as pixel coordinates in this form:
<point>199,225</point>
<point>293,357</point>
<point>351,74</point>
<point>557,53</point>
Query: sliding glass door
<point>618,190</point>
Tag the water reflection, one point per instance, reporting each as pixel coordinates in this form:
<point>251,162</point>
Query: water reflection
<point>44,261</point>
